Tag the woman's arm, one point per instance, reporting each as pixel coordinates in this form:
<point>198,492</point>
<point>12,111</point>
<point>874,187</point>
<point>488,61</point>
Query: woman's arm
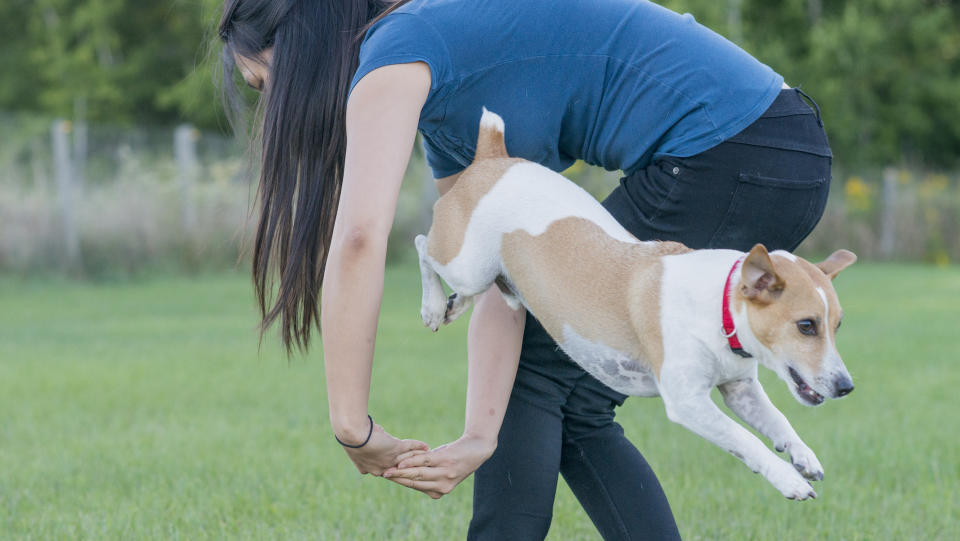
<point>493,351</point>
<point>381,117</point>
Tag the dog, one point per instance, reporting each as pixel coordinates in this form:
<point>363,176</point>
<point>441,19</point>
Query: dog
<point>646,318</point>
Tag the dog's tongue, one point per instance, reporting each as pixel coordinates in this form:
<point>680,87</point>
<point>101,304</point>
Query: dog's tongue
<point>810,394</point>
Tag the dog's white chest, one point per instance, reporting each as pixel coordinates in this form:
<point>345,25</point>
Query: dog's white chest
<point>613,368</point>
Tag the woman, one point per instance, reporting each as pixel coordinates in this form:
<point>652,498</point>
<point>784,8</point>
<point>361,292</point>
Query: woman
<point>717,151</point>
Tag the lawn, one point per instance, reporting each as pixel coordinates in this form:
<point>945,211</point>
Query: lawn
<point>144,410</point>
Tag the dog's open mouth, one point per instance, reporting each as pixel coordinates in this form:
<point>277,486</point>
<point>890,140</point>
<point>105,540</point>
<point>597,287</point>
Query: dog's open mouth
<point>804,390</point>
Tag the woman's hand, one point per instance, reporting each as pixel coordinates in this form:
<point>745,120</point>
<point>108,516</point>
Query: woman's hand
<point>436,472</point>
<point>382,451</point>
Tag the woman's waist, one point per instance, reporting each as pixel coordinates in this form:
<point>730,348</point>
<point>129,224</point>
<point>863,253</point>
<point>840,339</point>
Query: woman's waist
<point>789,123</point>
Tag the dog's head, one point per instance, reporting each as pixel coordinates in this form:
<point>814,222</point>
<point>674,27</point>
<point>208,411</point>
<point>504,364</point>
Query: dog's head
<point>793,316</point>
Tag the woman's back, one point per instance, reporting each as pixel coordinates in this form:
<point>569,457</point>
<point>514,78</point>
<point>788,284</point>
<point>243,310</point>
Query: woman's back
<point>613,82</point>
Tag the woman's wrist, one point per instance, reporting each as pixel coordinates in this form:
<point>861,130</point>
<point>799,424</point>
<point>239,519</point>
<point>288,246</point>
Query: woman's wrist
<point>352,430</point>
<point>486,440</point>
<point>365,440</point>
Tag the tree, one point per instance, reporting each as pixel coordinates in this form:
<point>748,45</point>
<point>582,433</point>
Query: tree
<point>129,60</point>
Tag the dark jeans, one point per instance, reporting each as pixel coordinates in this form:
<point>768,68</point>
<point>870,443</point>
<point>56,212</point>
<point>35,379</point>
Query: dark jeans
<point>767,184</point>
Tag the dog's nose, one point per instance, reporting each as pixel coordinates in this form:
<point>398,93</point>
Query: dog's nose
<point>843,385</point>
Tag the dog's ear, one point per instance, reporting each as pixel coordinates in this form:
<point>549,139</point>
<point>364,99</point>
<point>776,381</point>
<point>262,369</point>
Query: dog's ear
<point>837,261</point>
<point>758,280</point>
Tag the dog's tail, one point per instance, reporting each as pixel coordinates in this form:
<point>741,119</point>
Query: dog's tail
<point>490,143</point>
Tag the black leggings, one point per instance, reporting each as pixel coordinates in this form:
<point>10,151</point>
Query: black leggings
<point>767,184</point>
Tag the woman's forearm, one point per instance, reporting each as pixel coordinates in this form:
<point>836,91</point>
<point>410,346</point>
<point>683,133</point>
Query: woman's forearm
<point>493,344</point>
<point>381,124</point>
<point>352,292</point>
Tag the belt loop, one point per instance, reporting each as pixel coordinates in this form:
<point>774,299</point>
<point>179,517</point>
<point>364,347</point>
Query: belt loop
<point>815,106</point>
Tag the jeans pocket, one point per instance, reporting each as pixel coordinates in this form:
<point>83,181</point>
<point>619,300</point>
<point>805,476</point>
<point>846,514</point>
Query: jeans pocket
<point>776,212</point>
<point>651,188</point>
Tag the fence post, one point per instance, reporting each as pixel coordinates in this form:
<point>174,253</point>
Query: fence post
<point>814,11</point>
<point>80,145</point>
<point>65,192</point>
<point>888,234</point>
<point>38,166</point>
<point>185,152</point>
<point>735,20</point>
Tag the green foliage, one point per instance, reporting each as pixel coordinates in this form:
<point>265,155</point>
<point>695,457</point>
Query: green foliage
<point>130,61</point>
<point>883,71</point>
<point>886,72</point>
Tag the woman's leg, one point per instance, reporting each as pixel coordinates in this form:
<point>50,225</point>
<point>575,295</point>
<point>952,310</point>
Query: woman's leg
<point>513,491</point>
<point>607,474</point>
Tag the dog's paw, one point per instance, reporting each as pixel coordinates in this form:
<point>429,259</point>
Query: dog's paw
<point>806,462</point>
<point>432,314</point>
<point>789,482</point>
<point>456,305</point>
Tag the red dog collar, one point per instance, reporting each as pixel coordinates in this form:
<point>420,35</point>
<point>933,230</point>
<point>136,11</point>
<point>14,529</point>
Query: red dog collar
<point>729,329</point>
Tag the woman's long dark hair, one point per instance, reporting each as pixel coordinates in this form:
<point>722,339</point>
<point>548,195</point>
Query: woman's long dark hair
<point>303,137</point>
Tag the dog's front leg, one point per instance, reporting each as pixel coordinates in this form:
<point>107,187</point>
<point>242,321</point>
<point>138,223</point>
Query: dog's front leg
<point>691,407</point>
<point>748,400</point>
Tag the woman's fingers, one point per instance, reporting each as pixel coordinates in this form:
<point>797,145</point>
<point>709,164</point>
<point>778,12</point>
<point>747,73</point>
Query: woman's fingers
<point>430,488</point>
<point>409,446</point>
<point>410,460</point>
<point>417,474</point>
<point>409,454</point>
<point>421,459</point>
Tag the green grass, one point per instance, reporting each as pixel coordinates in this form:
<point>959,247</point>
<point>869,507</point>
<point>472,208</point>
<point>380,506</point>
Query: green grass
<point>143,410</point>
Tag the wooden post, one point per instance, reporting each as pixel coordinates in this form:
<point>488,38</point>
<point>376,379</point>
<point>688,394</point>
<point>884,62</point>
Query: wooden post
<point>888,224</point>
<point>65,193</point>
<point>814,11</point>
<point>40,181</point>
<point>735,20</point>
<point>185,151</point>
<point>80,145</point>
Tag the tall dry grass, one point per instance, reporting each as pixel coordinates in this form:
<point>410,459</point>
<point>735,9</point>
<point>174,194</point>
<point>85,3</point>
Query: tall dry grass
<point>129,224</point>
<point>129,217</point>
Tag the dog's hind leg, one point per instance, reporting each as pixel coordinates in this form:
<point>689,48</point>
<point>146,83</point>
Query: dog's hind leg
<point>506,291</point>
<point>457,304</point>
<point>433,306</point>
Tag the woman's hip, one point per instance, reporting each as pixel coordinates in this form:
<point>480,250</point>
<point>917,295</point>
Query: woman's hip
<point>767,184</point>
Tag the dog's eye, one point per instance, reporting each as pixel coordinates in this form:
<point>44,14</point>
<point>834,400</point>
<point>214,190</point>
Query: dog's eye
<point>807,327</point>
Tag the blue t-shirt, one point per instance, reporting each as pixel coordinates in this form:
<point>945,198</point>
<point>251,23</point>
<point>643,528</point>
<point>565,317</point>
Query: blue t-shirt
<point>616,83</point>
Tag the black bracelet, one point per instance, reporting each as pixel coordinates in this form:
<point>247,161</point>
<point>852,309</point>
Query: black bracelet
<point>364,441</point>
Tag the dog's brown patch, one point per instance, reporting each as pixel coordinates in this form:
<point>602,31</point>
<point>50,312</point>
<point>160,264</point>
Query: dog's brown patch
<point>454,210</point>
<point>606,290</point>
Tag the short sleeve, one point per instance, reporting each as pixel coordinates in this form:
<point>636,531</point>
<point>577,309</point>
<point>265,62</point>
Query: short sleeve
<point>440,163</point>
<point>401,38</point>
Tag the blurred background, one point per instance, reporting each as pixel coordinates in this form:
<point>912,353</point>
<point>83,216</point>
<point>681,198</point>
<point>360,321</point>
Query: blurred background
<point>136,401</point>
<point>115,157</point>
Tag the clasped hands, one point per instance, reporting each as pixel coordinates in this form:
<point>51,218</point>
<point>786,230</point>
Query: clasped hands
<point>412,464</point>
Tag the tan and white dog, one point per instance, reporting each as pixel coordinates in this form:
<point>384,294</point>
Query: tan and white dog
<point>644,318</point>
